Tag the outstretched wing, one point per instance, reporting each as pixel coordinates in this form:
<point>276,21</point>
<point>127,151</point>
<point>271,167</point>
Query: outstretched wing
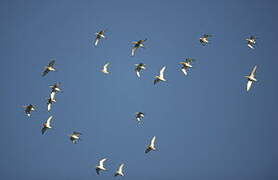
<point>43,130</point>
<point>147,150</point>
<point>253,71</point>
<point>49,120</point>
<point>51,63</point>
<point>96,41</point>
<point>156,81</point>
<point>153,141</point>
<point>249,84</point>
<point>133,50</point>
<point>161,73</point>
<point>101,162</point>
<point>184,71</point>
<point>77,133</point>
<point>121,168</point>
<point>45,72</point>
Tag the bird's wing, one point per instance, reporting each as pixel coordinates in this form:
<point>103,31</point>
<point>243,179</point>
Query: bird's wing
<point>156,81</point>
<point>96,41</point>
<point>153,141</point>
<point>76,133</point>
<point>52,95</point>
<point>133,50</point>
<point>48,106</point>
<point>51,63</point>
<point>121,167</point>
<point>43,130</point>
<point>250,46</point>
<point>138,73</point>
<point>102,161</point>
<point>161,73</point>
<point>147,150</point>
<point>49,120</point>
<point>97,170</point>
<point>249,84</point>
<point>184,71</point>
<point>45,72</point>
<point>253,71</point>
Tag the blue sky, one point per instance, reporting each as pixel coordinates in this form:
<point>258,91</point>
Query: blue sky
<point>207,125</point>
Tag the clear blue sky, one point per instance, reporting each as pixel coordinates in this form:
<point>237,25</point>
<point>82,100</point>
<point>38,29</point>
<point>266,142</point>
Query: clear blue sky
<point>207,126</point>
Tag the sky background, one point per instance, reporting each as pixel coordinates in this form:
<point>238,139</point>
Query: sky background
<point>207,126</point>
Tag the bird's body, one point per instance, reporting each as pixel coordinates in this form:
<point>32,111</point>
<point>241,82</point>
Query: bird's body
<point>49,68</point>
<point>74,137</point>
<point>99,35</point>
<point>251,42</point>
<point>186,65</point>
<point>105,68</point>
<point>100,166</point>
<point>204,39</point>
<point>55,88</point>
<point>161,76</point>
<point>119,171</point>
<point>47,125</point>
<point>137,44</point>
<point>50,101</point>
<point>251,78</point>
<point>139,116</point>
<point>151,146</point>
<point>29,109</point>
<point>139,67</point>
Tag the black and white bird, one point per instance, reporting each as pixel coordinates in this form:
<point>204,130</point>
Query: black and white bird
<point>47,125</point>
<point>251,42</point>
<point>49,67</point>
<point>119,171</point>
<point>55,88</point>
<point>204,39</point>
<point>105,68</point>
<point>139,116</point>
<point>251,78</point>
<point>28,109</point>
<point>151,146</point>
<point>186,65</point>
<point>99,35</point>
<point>100,166</point>
<point>137,44</point>
<point>50,101</point>
<point>160,77</point>
<point>139,67</point>
<point>74,137</point>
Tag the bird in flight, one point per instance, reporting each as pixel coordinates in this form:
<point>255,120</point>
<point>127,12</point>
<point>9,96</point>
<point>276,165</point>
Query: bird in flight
<point>151,146</point>
<point>251,78</point>
<point>204,39</point>
<point>55,88</point>
<point>139,67</point>
<point>47,125</point>
<point>137,44</point>
<point>100,166</point>
<point>29,109</point>
<point>119,171</point>
<point>186,65</point>
<point>49,67</point>
<point>99,35</point>
<point>139,116</point>
<point>50,101</point>
<point>161,76</point>
<point>105,68</point>
<point>251,42</point>
<point>74,137</point>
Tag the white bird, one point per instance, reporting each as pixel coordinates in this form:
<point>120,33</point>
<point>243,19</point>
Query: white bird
<point>139,116</point>
<point>74,137</point>
<point>29,109</point>
<point>137,44</point>
<point>105,68</point>
<point>186,65</point>
<point>49,67</point>
<point>139,67</point>
<point>119,171</point>
<point>99,35</point>
<point>100,166</point>
<point>251,78</point>
<point>151,146</point>
<point>47,125</point>
<point>50,101</point>
<point>161,76</point>
<point>55,88</point>
<point>204,39</point>
<point>251,42</point>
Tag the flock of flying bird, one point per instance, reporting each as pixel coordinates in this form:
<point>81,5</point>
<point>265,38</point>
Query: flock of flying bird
<point>186,65</point>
